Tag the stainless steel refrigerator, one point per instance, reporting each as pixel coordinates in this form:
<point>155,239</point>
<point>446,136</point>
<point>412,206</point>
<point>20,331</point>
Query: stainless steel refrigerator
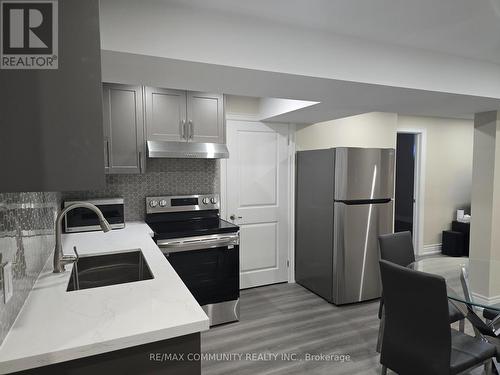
<point>344,200</point>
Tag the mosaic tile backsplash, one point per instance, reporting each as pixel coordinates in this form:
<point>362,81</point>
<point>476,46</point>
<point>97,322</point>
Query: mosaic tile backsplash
<point>27,219</point>
<point>162,177</point>
<point>27,240</point>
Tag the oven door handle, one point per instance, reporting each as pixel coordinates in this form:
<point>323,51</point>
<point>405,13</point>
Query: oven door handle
<point>179,246</point>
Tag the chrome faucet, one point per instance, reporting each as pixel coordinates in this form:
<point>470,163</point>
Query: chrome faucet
<point>61,260</point>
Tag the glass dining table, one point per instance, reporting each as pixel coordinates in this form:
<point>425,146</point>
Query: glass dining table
<point>450,269</point>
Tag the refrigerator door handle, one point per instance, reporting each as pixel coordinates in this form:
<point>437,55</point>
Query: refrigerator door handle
<point>363,201</point>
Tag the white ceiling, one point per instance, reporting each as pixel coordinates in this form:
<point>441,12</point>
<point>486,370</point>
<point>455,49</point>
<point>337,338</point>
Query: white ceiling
<point>417,57</point>
<point>467,28</point>
<point>337,98</point>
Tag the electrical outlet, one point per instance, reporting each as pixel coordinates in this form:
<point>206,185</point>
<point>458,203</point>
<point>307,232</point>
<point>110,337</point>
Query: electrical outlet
<point>8,287</point>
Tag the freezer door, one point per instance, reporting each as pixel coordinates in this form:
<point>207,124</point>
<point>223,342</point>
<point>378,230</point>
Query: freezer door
<point>364,173</point>
<point>356,253</point>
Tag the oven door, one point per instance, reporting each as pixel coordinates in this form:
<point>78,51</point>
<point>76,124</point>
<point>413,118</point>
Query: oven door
<point>209,266</point>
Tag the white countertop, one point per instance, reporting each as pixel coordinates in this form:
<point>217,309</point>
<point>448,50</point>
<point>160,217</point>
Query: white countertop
<point>55,326</point>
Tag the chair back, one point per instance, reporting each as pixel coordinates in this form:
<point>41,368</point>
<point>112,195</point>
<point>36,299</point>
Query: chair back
<point>397,248</point>
<point>417,338</point>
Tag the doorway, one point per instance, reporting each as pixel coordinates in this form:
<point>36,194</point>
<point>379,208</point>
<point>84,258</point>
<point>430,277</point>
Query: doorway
<point>405,182</point>
<point>409,191</point>
<point>255,189</point>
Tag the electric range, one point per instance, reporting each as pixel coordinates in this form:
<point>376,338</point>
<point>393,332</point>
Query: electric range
<point>202,248</point>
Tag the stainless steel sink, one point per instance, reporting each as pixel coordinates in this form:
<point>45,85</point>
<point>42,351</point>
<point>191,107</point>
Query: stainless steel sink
<point>109,269</point>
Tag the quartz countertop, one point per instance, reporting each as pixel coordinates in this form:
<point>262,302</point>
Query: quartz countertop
<point>56,326</point>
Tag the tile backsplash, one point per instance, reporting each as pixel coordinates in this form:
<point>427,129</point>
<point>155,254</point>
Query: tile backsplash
<point>162,177</point>
<point>27,219</point>
<point>26,240</point>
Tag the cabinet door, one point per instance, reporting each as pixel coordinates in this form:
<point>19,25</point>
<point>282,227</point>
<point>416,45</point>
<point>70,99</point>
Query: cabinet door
<point>205,116</point>
<point>165,114</point>
<point>123,128</point>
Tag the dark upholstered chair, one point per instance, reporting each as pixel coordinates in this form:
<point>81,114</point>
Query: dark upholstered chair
<point>487,330</point>
<point>491,314</point>
<point>417,335</point>
<point>398,248</point>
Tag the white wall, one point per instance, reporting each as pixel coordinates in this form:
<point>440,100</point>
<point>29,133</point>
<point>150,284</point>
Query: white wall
<point>242,105</point>
<point>375,129</point>
<point>485,238</point>
<point>160,28</point>
<point>448,158</point>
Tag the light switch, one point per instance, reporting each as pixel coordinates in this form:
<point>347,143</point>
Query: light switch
<point>8,287</point>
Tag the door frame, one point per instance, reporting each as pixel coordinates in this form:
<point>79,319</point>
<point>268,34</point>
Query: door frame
<point>419,185</point>
<point>290,188</point>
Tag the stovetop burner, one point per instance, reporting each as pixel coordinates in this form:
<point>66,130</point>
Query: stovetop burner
<point>200,227</point>
<point>186,216</point>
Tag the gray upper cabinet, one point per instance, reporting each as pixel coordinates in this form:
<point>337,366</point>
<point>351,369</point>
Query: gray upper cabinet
<point>165,114</point>
<point>123,128</point>
<point>205,117</point>
<point>177,115</point>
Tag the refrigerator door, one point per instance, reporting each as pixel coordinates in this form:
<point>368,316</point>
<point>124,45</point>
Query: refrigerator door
<point>356,253</point>
<point>364,173</point>
<point>314,222</point>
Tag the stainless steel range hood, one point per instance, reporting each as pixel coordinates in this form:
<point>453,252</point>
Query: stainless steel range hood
<point>163,149</point>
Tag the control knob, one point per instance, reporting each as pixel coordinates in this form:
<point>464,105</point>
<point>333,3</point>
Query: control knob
<point>153,203</point>
<point>163,203</point>
<point>213,201</point>
<point>206,200</point>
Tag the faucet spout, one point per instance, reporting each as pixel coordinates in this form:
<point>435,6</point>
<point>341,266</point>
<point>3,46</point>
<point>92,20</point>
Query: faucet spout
<point>59,259</point>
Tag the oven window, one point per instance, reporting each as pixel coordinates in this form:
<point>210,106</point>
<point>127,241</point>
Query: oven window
<point>211,276</point>
<point>82,217</point>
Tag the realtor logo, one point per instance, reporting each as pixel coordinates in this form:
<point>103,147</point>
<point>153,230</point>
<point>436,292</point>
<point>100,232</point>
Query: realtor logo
<point>29,35</point>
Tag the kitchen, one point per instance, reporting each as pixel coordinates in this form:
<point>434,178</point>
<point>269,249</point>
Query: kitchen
<point>218,228</point>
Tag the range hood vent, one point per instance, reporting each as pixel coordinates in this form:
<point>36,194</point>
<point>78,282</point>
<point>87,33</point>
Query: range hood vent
<point>192,150</point>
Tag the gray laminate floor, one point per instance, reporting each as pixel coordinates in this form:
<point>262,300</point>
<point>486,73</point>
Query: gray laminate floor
<point>286,318</point>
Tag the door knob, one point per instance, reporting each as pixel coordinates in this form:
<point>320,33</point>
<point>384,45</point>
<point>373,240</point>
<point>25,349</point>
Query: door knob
<point>234,217</point>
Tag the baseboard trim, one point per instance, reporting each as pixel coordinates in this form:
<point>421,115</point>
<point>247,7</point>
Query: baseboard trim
<point>431,249</point>
<point>488,301</point>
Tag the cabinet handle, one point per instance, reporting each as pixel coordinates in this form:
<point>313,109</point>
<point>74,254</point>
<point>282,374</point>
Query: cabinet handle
<point>183,128</point>
<point>108,161</point>
<point>191,129</point>
<point>141,163</point>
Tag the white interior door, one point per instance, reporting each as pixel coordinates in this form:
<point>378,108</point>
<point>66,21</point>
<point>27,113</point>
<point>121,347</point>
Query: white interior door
<point>257,199</point>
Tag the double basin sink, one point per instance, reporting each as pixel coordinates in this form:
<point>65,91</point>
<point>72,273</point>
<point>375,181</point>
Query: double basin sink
<point>109,269</point>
